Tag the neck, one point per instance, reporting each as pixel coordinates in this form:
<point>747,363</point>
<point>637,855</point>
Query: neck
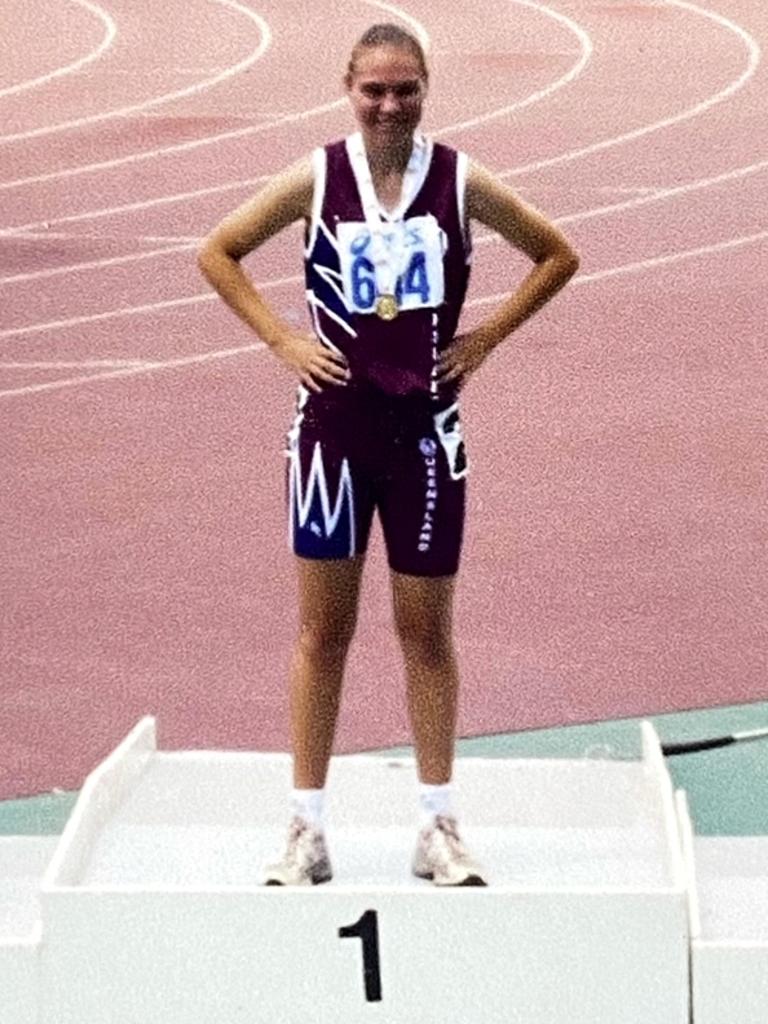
<point>390,159</point>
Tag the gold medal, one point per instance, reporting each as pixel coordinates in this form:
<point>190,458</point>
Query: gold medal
<point>386,307</point>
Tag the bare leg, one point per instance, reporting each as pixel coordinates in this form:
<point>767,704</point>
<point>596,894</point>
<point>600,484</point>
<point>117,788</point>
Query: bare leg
<point>423,618</point>
<point>328,599</point>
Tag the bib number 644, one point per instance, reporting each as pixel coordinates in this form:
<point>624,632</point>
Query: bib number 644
<point>414,282</point>
<point>417,243</point>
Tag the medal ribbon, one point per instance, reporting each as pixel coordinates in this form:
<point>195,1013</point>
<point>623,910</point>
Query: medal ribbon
<point>387,257</point>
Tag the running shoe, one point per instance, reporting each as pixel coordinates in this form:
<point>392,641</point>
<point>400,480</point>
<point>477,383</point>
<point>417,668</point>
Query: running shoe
<point>442,857</point>
<point>306,860</point>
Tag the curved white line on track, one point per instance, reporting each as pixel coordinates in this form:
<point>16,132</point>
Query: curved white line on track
<point>647,264</point>
<point>416,26</point>
<point>109,261</point>
<point>79,365</point>
<point>68,69</point>
<point>644,200</point>
<point>700,108</point>
<point>152,307</point>
<point>132,371</point>
<point>190,300</point>
<point>187,245</point>
<point>418,29</point>
<point>674,257</point>
<point>665,193</point>
<point>585,55</point>
<point>67,236</point>
<point>142,204</point>
<point>264,43</point>
<point>103,165</point>
<point>148,367</point>
<point>752,46</point>
<point>134,158</point>
<point>573,217</point>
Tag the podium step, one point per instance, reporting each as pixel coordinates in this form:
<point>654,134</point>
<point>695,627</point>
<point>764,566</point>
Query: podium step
<point>730,929</point>
<point>153,902</point>
<point>732,873</point>
<point>208,820</point>
<point>23,860</point>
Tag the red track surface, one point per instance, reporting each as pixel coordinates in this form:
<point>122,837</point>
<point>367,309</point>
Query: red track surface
<point>616,555</point>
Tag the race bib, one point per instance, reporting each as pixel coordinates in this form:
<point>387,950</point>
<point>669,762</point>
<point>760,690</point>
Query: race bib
<point>416,248</point>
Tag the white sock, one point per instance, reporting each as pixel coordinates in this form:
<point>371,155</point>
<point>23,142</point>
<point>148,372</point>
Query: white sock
<point>434,800</point>
<point>308,804</point>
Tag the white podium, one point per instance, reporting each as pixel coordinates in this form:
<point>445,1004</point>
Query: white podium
<point>151,908</point>
<point>729,925</point>
<point>23,859</point>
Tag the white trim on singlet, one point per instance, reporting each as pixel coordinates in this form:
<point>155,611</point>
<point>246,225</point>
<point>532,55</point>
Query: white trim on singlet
<point>333,280</point>
<point>319,332</point>
<point>313,300</point>
<point>405,198</point>
<point>319,169</point>
<point>322,226</point>
<point>462,169</point>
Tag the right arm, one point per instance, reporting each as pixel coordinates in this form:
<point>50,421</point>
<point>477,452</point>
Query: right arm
<point>286,198</point>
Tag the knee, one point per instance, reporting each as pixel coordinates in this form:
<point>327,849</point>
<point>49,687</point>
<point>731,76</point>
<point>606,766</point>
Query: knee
<point>425,643</point>
<point>325,641</point>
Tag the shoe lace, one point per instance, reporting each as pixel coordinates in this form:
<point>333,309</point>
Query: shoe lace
<point>301,835</point>
<point>448,827</point>
<point>297,828</point>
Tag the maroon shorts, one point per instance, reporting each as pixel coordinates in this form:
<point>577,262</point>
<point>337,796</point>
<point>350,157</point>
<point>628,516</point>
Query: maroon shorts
<point>352,450</point>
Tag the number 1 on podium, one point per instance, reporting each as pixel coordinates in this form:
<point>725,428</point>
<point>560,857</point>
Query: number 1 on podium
<point>367,929</point>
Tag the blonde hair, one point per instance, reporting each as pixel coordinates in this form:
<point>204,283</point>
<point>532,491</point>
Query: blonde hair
<point>387,34</point>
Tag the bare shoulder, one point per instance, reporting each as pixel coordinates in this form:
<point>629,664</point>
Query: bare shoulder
<point>482,184</point>
<point>286,197</point>
<point>497,205</point>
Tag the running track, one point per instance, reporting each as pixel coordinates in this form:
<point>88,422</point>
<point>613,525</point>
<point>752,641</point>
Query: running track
<point>617,552</point>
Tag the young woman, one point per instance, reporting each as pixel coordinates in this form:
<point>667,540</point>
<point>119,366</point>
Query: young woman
<point>387,256</point>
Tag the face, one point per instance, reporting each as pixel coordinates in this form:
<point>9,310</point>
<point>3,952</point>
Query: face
<point>386,92</point>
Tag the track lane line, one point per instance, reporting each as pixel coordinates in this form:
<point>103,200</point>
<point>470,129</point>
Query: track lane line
<point>423,36</point>
<point>700,108</point>
<point>134,158</point>
<point>585,52</point>
<point>151,307</point>
<point>264,43</point>
<point>481,238</point>
<point>73,365</point>
<point>581,215</point>
<point>68,69</point>
<point>141,204</point>
<point>107,261</point>
<point>573,154</point>
<point>417,27</point>
<point>148,367</point>
<point>102,165</point>
<point>133,371</point>
<point>647,264</point>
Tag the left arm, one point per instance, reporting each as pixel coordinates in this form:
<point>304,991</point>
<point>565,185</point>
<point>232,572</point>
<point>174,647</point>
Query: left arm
<point>499,208</point>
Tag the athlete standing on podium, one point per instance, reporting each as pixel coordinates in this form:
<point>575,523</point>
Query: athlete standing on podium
<point>377,426</point>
